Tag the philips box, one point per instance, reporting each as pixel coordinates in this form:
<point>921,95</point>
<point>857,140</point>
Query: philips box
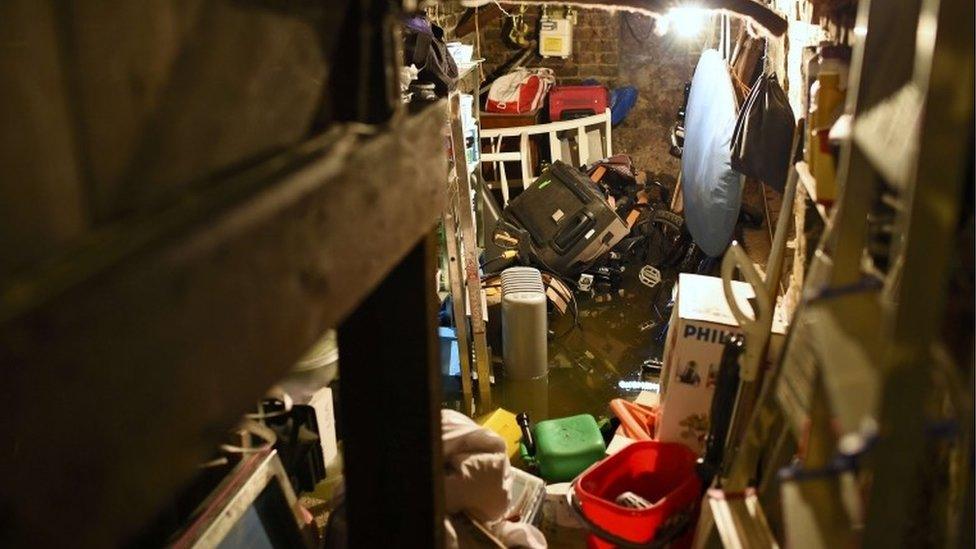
<point>700,325</point>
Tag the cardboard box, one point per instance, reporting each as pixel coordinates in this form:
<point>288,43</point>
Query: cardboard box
<point>700,325</point>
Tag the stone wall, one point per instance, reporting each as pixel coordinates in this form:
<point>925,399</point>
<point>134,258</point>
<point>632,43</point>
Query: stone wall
<point>659,67</point>
<point>617,49</point>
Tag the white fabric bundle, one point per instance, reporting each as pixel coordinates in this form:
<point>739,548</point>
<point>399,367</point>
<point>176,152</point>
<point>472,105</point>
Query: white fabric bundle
<point>478,481</point>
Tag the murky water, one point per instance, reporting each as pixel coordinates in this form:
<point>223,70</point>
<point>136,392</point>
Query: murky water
<point>597,360</point>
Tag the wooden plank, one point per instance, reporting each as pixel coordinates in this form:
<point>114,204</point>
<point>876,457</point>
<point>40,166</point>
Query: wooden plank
<point>791,299</point>
<point>455,278</point>
<point>472,277</point>
<point>678,198</point>
<point>502,174</point>
<point>502,157</point>
<point>192,315</point>
<point>391,392</point>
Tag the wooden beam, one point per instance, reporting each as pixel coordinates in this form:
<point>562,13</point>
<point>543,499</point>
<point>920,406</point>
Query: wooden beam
<point>363,84</point>
<point>456,278</point>
<point>126,361</point>
<point>390,388</point>
<point>472,276</point>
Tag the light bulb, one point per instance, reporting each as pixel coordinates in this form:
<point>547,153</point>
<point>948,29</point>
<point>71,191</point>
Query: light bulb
<point>687,21</point>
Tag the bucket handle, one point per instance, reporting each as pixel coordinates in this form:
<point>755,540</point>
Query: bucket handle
<point>674,527</point>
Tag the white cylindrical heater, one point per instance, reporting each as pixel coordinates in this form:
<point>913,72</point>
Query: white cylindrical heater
<point>524,323</point>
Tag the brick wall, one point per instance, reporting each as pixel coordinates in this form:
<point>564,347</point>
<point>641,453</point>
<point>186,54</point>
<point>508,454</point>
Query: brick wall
<point>595,47</point>
<point>617,49</point>
<point>659,67</point>
<point>445,13</point>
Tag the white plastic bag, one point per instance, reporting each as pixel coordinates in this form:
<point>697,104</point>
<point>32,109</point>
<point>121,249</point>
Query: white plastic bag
<point>520,91</point>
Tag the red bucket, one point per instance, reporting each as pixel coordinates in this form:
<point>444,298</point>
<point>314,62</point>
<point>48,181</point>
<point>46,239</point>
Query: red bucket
<point>663,473</point>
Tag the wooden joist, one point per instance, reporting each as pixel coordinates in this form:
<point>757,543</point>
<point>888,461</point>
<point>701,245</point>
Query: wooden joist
<point>127,359</point>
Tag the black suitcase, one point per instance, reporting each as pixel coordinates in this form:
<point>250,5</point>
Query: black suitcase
<point>568,221</point>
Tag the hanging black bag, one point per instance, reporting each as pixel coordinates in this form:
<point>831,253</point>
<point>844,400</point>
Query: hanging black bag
<point>763,134</point>
<point>424,47</point>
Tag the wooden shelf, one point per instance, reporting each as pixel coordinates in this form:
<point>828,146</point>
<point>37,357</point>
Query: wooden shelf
<point>810,186</point>
<point>159,332</point>
<point>469,78</point>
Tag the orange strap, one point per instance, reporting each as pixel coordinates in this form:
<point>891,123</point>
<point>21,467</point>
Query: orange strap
<point>597,174</point>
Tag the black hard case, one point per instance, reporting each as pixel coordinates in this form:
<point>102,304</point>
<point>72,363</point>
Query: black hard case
<point>569,222</point>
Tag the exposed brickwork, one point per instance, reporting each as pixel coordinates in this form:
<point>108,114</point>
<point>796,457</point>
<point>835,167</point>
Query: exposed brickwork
<point>658,66</point>
<point>616,49</point>
<point>595,47</point>
<point>445,14</point>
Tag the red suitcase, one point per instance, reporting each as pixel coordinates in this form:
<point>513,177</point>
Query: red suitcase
<point>569,102</point>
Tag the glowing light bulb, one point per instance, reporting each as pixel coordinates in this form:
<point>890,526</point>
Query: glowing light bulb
<point>687,21</point>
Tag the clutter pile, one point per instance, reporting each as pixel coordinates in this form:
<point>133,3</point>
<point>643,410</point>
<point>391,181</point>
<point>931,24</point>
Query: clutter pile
<point>676,433</point>
<point>575,237</point>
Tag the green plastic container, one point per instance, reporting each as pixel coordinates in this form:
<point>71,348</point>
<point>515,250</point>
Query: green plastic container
<point>565,447</point>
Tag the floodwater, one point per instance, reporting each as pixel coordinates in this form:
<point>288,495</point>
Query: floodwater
<point>598,359</point>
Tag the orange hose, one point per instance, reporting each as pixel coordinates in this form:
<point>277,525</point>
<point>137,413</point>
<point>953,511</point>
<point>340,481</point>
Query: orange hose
<point>637,421</point>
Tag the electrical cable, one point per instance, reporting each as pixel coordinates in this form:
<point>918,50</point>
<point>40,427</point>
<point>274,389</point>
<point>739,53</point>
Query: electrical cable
<point>576,322</point>
<point>497,4</point>
<point>573,302</point>
<point>505,255</point>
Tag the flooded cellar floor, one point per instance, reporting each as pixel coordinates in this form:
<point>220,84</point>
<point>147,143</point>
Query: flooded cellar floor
<point>591,361</point>
<point>600,357</point>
